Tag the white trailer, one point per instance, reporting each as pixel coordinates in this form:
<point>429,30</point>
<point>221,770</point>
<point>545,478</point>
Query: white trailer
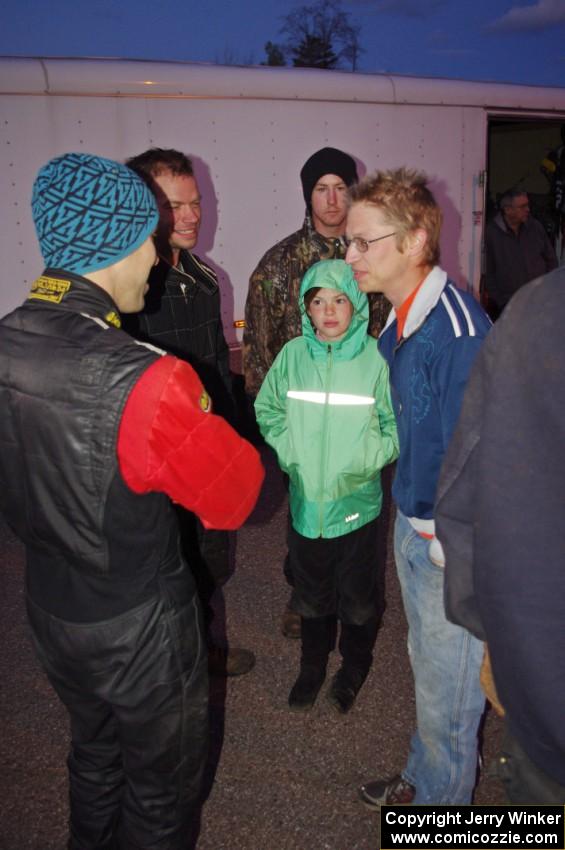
<point>249,131</point>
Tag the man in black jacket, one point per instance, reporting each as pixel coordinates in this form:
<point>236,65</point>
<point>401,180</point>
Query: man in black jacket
<point>98,434</point>
<point>182,316</point>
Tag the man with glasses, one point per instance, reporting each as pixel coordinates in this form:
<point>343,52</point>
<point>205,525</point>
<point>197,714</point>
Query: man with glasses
<point>430,341</point>
<point>517,250</point>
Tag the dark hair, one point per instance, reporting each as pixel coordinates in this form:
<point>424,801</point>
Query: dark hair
<point>406,203</point>
<point>309,296</point>
<point>507,198</point>
<point>155,161</point>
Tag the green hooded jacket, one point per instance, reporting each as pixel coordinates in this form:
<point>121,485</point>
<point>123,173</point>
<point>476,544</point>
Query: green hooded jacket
<point>325,409</point>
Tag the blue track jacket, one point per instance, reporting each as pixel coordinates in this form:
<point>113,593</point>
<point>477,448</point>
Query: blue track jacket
<point>429,367</point>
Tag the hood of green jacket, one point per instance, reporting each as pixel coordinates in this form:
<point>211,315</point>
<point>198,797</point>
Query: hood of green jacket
<point>336,274</point>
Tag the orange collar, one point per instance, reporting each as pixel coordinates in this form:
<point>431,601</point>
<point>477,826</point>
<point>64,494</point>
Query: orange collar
<point>403,310</point>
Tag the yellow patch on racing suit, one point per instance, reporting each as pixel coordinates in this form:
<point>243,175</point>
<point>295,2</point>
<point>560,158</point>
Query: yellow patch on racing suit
<point>113,319</point>
<point>205,402</point>
<point>49,289</point>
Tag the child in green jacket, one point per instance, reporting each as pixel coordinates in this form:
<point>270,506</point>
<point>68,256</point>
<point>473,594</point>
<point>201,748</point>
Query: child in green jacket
<point>325,409</point>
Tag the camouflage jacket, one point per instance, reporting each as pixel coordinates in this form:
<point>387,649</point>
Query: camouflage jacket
<point>272,314</point>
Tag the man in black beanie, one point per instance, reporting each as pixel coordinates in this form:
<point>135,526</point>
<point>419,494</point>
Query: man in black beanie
<point>272,314</point>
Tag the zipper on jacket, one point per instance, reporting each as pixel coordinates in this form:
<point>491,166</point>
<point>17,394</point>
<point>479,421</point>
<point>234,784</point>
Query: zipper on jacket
<point>183,289</point>
<point>324,446</point>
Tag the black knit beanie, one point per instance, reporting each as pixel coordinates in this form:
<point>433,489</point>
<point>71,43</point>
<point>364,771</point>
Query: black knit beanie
<point>326,161</point>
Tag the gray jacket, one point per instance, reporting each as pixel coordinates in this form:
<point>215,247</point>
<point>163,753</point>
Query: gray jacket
<point>515,259</point>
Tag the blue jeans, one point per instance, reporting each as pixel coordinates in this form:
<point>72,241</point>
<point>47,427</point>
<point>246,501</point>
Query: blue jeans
<point>446,661</point>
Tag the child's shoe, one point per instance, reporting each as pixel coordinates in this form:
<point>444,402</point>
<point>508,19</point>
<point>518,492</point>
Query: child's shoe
<point>306,688</point>
<point>344,688</point>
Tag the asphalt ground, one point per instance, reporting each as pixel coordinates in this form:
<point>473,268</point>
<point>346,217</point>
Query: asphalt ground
<point>275,780</point>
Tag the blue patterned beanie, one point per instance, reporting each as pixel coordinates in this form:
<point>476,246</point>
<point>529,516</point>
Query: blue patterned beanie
<point>90,212</point>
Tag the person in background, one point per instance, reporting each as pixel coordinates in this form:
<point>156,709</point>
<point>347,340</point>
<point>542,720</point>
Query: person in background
<point>325,408</point>
<point>430,341</point>
<point>517,249</point>
<point>98,434</point>
<point>182,315</point>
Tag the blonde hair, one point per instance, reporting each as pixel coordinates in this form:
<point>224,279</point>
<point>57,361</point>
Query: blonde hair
<point>407,204</point>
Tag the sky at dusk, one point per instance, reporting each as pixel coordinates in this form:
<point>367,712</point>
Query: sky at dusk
<point>520,41</point>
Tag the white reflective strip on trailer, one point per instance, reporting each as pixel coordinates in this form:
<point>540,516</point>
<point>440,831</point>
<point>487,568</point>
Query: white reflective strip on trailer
<point>337,399</point>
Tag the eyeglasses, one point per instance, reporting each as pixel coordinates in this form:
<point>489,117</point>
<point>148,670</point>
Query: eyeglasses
<point>362,245</point>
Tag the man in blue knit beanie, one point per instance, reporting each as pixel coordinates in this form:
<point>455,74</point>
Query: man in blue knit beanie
<point>98,434</point>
